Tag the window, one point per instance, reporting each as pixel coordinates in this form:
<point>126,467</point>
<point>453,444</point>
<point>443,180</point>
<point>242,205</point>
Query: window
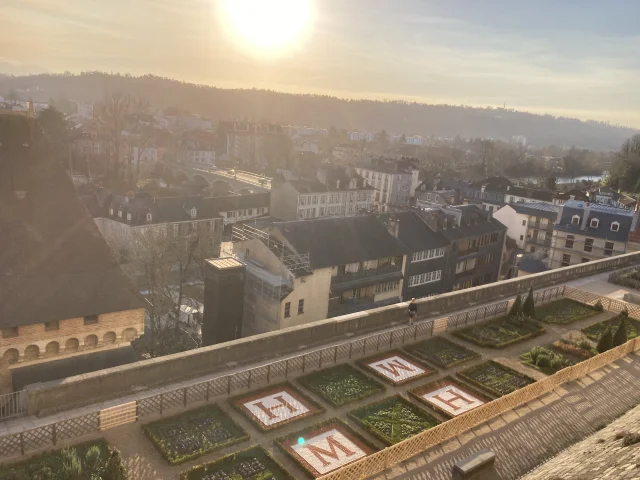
<point>287,310</point>
<point>588,245</point>
<point>10,332</point>
<point>569,241</point>
<point>300,306</point>
<point>585,260</point>
<point>51,326</point>
<point>566,260</point>
<point>425,278</point>
<point>524,222</point>
<point>148,217</point>
<point>575,220</point>
<point>521,237</point>
<point>608,249</point>
<point>427,255</point>
<point>615,226</point>
<point>193,212</point>
<point>594,223</point>
<point>129,216</point>
<point>111,211</point>
<point>386,287</point>
<point>119,213</point>
<point>91,319</point>
<point>176,228</point>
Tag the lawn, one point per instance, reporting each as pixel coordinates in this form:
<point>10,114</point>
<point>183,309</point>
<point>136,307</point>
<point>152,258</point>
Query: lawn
<point>194,433</point>
<point>502,331</point>
<point>596,330</point>
<point>95,460</point>
<point>251,464</point>
<point>449,396</point>
<point>341,384</point>
<point>325,447</point>
<point>442,352</point>
<point>564,311</point>
<point>393,419</point>
<point>545,360</point>
<point>495,378</point>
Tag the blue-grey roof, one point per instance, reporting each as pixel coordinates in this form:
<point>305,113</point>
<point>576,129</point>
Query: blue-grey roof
<point>606,215</point>
<point>532,265</point>
<point>414,233</point>
<point>538,209</point>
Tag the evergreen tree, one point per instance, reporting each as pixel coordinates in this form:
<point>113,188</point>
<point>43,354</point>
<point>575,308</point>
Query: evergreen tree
<point>516,308</point>
<point>529,308</point>
<point>606,341</point>
<point>620,337</point>
<point>114,470</point>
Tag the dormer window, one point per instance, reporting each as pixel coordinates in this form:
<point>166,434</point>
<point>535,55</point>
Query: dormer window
<point>594,223</point>
<point>111,212</point>
<point>615,226</point>
<point>120,213</point>
<point>193,212</point>
<point>575,220</point>
<point>148,217</point>
<point>128,216</point>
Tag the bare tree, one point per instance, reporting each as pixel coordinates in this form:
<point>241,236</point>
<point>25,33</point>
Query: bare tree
<point>112,116</point>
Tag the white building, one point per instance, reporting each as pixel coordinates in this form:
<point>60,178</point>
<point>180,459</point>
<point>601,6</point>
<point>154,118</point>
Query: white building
<point>206,158</point>
<point>360,137</point>
<point>393,180</point>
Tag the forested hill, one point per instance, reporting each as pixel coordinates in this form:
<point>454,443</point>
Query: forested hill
<point>317,110</point>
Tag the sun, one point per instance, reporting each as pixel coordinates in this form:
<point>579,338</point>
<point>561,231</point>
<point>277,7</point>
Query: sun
<point>267,27</point>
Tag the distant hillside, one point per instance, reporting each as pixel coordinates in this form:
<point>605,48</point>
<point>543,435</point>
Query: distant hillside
<point>317,110</point>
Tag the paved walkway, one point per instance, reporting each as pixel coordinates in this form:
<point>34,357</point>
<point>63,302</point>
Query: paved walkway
<point>531,434</point>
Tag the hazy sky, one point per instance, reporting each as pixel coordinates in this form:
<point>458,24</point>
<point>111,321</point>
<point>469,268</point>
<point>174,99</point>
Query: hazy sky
<point>575,57</point>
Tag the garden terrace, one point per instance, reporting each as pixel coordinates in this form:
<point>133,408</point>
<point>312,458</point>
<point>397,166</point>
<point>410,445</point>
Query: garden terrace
<point>595,331</point>
<point>251,464</point>
<point>396,367</point>
<point>546,360</point>
<point>629,277</point>
<point>449,396</point>
<point>495,378</point>
<point>501,332</point>
<point>393,419</point>
<point>442,352</point>
<point>341,384</point>
<point>564,311</point>
<point>194,433</point>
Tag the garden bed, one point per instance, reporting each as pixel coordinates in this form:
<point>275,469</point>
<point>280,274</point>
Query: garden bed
<point>575,350</point>
<point>442,352</point>
<point>495,378</point>
<point>629,277</point>
<point>395,367</point>
<point>341,384</point>
<point>275,406</point>
<point>251,464</point>
<point>449,397</point>
<point>596,330</point>
<point>393,419</point>
<point>564,311</point>
<point>502,331</point>
<point>545,360</point>
<point>94,457</point>
<point>323,448</point>
<point>194,433</point>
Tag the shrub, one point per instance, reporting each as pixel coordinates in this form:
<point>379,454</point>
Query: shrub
<point>543,360</point>
<point>516,308</point>
<point>71,466</point>
<point>92,460</point>
<point>528,307</point>
<point>535,351</point>
<point>114,470</point>
<point>557,362</point>
<point>598,306</point>
<point>606,341</point>
<point>620,337</point>
<point>631,439</point>
<point>45,473</point>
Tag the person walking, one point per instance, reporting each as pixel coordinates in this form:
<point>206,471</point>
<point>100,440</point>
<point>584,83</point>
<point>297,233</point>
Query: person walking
<point>412,310</point>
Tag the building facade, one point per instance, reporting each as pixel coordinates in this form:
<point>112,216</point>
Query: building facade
<point>391,179</point>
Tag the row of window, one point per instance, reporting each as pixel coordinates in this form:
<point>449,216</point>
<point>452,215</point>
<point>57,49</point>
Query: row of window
<point>588,245</point>
<point>247,212</point>
<point>287,308</point>
<point>595,223</point>
<point>479,280</point>
<point>386,287</point>
<point>316,199</point>
<point>427,254</point>
<point>425,278</point>
<point>12,332</point>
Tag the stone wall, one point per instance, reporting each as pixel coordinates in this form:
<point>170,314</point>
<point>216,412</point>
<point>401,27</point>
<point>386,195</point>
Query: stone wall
<point>123,380</point>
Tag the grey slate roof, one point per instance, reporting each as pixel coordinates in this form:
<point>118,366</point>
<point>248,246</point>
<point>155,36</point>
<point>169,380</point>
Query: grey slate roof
<point>415,234</point>
<point>606,215</point>
<point>474,222</point>
<point>308,186</point>
<point>538,209</point>
<point>542,195</point>
<point>338,241</point>
<point>532,265</point>
<point>54,263</point>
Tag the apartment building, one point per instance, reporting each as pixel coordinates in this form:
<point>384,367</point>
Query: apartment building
<point>335,192</point>
<point>65,308</point>
<point>392,180</point>
<point>246,140</point>
<point>430,194</point>
<point>530,224</point>
<point>589,231</point>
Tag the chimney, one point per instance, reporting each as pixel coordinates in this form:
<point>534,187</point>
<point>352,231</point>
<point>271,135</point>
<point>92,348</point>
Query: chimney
<point>482,188</point>
<point>393,226</point>
<point>585,216</point>
<point>338,184</point>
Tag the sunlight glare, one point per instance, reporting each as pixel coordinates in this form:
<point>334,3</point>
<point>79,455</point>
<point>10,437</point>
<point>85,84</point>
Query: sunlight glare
<point>267,27</point>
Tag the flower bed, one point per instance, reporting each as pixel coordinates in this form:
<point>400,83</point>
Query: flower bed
<point>495,378</point>
<point>595,331</point>
<point>578,350</point>
<point>442,352</point>
<point>275,406</point>
<point>341,384</point>
<point>251,464</point>
<point>564,311</point>
<point>94,459</point>
<point>627,278</point>
<point>502,331</point>
<point>545,360</point>
<point>393,419</point>
<point>396,367</point>
<point>322,448</point>
<point>194,433</point>
<point>449,397</point>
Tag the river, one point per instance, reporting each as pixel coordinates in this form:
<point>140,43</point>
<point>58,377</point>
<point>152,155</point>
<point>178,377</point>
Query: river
<point>561,180</point>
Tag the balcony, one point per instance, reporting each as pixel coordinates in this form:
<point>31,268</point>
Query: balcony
<point>464,273</point>
<point>546,242</point>
<point>363,278</point>
<point>547,227</point>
